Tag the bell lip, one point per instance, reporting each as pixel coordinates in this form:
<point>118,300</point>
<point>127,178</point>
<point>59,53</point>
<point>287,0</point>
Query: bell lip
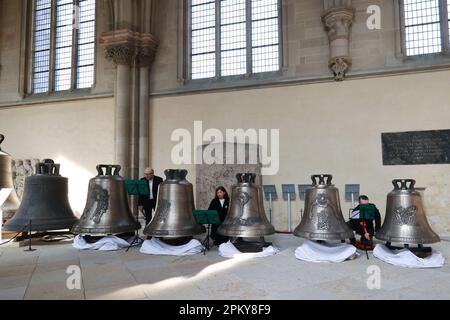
<point>246,233</point>
<point>105,231</point>
<point>175,233</point>
<point>408,240</point>
<point>39,225</point>
<point>324,236</point>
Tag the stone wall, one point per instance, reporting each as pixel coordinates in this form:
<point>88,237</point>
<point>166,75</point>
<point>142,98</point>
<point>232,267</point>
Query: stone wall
<point>330,127</point>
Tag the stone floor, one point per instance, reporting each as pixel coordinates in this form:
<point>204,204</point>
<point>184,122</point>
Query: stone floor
<point>42,274</point>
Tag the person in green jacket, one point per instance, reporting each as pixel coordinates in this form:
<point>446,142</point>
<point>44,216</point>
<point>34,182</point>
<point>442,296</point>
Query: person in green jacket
<point>365,221</point>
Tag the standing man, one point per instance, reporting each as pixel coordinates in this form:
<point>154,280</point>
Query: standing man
<point>147,203</point>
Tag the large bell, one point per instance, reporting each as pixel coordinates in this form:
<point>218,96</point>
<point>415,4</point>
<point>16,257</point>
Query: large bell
<point>405,221</point>
<point>107,210</point>
<point>174,217</point>
<point>45,204</point>
<point>11,203</point>
<point>322,218</point>
<point>246,217</point>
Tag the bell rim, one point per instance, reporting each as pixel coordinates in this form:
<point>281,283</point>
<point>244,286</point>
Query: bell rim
<point>104,231</point>
<point>40,225</point>
<point>246,233</point>
<point>175,233</point>
<point>324,236</point>
<point>408,240</point>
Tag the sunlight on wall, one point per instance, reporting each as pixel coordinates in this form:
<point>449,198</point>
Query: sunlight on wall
<point>78,183</point>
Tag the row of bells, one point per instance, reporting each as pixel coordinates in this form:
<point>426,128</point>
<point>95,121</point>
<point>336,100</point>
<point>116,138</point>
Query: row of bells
<point>45,207</point>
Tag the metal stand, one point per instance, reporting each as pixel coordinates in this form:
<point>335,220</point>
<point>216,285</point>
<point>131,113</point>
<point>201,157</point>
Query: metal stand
<point>270,208</point>
<point>289,212</point>
<point>136,236</point>
<point>205,242</point>
<point>420,250</point>
<point>29,238</point>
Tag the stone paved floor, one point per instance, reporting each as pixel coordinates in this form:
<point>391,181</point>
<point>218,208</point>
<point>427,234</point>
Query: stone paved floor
<point>131,275</point>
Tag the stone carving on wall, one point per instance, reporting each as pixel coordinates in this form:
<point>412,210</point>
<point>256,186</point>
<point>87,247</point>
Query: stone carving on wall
<point>126,47</point>
<point>20,170</point>
<point>337,19</point>
<point>210,176</point>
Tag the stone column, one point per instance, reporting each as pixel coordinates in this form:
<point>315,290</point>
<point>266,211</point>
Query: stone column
<point>130,51</point>
<point>120,48</point>
<point>337,19</point>
<point>146,57</point>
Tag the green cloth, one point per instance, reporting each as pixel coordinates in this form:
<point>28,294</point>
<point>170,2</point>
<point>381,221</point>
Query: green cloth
<point>367,211</point>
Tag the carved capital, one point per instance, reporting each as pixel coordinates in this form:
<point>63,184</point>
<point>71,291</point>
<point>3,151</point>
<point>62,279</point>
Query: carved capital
<point>147,50</point>
<point>126,47</point>
<point>337,22</point>
<point>337,19</point>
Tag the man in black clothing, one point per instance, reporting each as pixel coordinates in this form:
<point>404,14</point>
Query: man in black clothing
<point>147,203</point>
<point>362,221</point>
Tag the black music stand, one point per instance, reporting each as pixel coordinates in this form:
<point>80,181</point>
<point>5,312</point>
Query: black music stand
<point>208,217</point>
<point>136,188</point>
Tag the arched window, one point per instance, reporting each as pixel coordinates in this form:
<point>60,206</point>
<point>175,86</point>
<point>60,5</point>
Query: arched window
<point>63,45</point>
<point>233,37</point>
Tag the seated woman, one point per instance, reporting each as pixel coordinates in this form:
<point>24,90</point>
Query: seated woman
<point>362,222</point>
<point>220,203</point>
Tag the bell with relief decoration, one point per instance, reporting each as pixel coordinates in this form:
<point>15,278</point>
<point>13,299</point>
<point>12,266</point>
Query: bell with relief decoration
<point>405,220</point>
<point>322,218</point>
<point>107,211</point>
<point>246,217</point>
<point>174,217</point>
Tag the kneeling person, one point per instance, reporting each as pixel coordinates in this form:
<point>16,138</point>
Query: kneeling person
<point>362,221</point>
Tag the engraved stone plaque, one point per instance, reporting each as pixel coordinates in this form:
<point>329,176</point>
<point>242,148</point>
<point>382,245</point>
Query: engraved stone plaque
<point>416,147</point>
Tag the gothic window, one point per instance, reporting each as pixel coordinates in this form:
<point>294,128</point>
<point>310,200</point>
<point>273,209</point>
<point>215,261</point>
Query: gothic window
<point>233,37</point>
<point>425,26</point>
<point>63,45</point>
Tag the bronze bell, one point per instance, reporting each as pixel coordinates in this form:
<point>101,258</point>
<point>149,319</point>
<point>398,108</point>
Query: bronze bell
<point>246,217</point>
<point>45,204</point>
<point>405,221</point>
<point>11,203</point>
<point>107,210</point>
<point>323,219</point>
<point>174,217</point>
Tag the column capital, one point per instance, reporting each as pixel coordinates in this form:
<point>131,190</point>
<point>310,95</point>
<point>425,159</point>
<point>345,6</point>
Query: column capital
<point>337,19</point>
<point>337,22</point>
<point>125,47</point>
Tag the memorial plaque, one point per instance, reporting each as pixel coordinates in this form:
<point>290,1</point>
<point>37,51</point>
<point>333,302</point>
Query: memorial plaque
<point>416,147</point>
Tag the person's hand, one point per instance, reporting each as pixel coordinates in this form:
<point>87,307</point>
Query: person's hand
<point>367,236</point>
<point>141,208</point>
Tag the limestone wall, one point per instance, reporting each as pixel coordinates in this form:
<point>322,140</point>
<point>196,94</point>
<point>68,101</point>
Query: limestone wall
<point>325,128</point>
<point>78,135</point>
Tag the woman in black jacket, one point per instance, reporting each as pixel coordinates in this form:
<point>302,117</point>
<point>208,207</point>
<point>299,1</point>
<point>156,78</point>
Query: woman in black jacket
<point>219,203</point>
